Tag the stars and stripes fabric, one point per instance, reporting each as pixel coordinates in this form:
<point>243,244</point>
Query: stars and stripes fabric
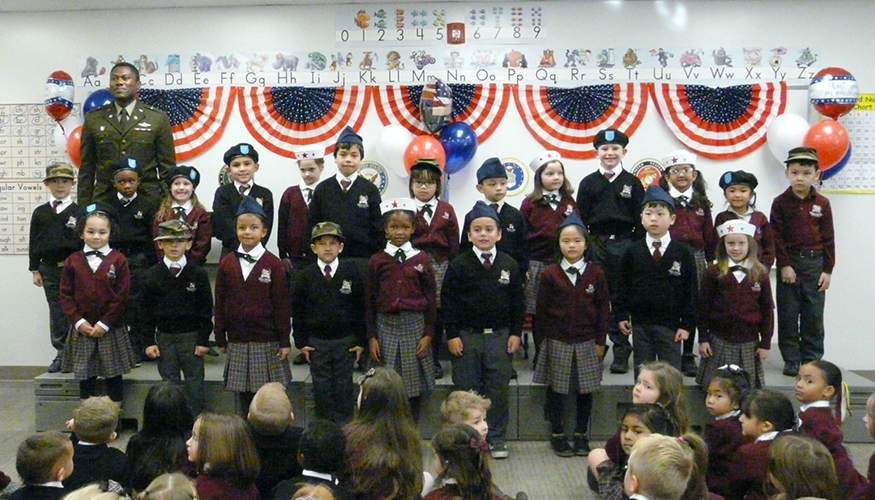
<point>285,119</point>
<point>198,116</point>
<point>567,119</point>
<point>721,123</point>
<point>482,107</point>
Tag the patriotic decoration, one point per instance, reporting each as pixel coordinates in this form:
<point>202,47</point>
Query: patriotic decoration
<point>568,119</point>
<point>721,123</point>
<point>480,106</point>
<point>197,116</point>
<point>286,119</point>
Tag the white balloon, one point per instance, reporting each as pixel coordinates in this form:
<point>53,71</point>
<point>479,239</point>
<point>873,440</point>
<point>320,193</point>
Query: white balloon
<point>390,146</point>
<point>786,132</point>
<point>58,137</point>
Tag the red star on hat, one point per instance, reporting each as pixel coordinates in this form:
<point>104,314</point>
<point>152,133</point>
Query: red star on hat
<point>394,204</point>
<point>674,160</point>
<point>730,229</point>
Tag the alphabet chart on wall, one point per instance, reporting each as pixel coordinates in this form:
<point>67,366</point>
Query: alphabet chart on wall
<point>27,146</point>
<point>858,175</point>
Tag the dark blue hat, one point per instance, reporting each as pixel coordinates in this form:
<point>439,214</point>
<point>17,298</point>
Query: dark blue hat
<point>349,137</point>
<point>610,136</point>
<point>250,206</point>
<point>239,150</point>
<point>491,169</point>
<point>481,209</point>
<point>656,194</point>
<point>572,220</point>
<point>101,208</point>
<point>738,177</point>
<point>123,163</point>
<point>185,171</point>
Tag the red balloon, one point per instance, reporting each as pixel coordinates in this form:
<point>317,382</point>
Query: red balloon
<point>74,146</point>
<point>833,92</point>
<point>831,141</point>
<point>424,147</point>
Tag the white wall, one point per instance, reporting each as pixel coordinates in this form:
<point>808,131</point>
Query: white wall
<point>35,44</point>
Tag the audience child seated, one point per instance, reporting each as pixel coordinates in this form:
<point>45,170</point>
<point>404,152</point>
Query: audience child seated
<point>176,486</point>
<point>276,439</point>
<point>225,458</point>
<point>43,461</point>
<point>320,455</point>
<point>659,469</point>
<point>94,423</point>
<point>802,467</point>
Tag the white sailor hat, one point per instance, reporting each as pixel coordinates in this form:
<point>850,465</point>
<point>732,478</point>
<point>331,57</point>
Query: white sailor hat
<point>736,226</point>
<point>679,157</point>
<point>310,154</point>
<point>545,157</point>
<point>398,204</point>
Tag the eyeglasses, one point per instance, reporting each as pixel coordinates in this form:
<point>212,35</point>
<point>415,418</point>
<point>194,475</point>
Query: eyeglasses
<point>683,170</point>
<point>424,184</point>
<point>368,374</point>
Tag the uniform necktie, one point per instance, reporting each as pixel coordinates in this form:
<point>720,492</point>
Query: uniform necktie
<point>400,256</point>
<point>657,254</point>
<point>55,205</point>
<point>487,259</point>
<point>95,253</point>
<point>245,256</point>
<point>494,206</point>
<point>125,201</point>
<point>345,183</point>
<point>327,272</point>
<point>175,269</point>
<point>180,213</point>
<point>309,197</point>
<point>426,209</point>
<point>609,174</point>
<point>123,117</point>
<point>243,189</point>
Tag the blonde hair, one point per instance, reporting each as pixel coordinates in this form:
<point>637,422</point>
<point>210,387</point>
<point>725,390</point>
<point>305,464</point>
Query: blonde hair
<point>95,420</point>
<point>314,491</point>
<point>757,269</point>
<point>174,486</point>
<point>454,410</point>
<point>662,467</point>
<point>672,393</point>
<point>270,411</point>
<point>93,492</point>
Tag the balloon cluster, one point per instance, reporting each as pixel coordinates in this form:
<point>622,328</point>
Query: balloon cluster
<point>833,93</point>
<point>59,105</point>
<point>453,145</point>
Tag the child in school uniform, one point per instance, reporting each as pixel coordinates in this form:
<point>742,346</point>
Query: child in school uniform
<point>177,312</point>
<point>609,201</point>
<point>659,469</point>
<point>252,310</point>
<point>400,304</point>
<point>43,461</point>
<point>573,317</point>
<point>436,232</point>
<point>727,389</point>
<point>53,238</point>
<point>242,162</point>
<point>736,315</point>
<point>482,308</point>
<point>94,293</point>
<point>739,189</point>
<point>805,250</point>
<point>181,203</point>
<point>94,423</point>
<point>657,293</point>
<point>545,209</point>
<point>693,224</point>
<point>328,321</point>
<point>276,440</point>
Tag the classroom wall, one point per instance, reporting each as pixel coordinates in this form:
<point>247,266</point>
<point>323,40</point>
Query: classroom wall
<point>35,44</point>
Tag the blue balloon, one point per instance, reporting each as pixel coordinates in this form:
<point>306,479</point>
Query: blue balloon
<point>460,144</point>
<point>826,174</point>
<point>98,99</point>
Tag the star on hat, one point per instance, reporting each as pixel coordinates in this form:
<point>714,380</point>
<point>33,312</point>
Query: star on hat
<point>736,226</point>
<point>398,204</point>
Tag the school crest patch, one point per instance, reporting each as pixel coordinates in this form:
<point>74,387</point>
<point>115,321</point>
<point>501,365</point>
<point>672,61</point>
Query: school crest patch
<point>191,287</point>
<point>504,279</point>
<point>816,211</point>
<point>675,269</point>
<point>265,276</point>
<point>346,287</point>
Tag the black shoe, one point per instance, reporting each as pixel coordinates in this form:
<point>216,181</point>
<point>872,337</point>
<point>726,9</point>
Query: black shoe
<point>521,495</point>
<point>299,359</point>
<point>498,450</point>
<point>513,374</point>
<point>55,367</point>
<point>212,351</point>
<point>581,445</point>
<point>620,367</point>
<point>438,371</point>
<point>688,365</point>
<point>791,368</point>
<point>560,446</point>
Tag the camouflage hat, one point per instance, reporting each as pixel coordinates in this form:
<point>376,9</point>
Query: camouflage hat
<point>60,171</point>
<point>173,229</point>
<point>327,229</point>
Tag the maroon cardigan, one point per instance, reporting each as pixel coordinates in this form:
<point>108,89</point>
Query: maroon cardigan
<point>201,233</point>
<point>748,473</point>
<point>764,236</point>
<point>440,239</point>
<point>723,438</point>
<point>217,488</point>
<point>820,423</point>
<point>95,296</point>
<point>292,241</point>
<point>736,312</point>
<point>693,226</point>
<point>573,313</point>
<point>394,287</point>
<point>543,223</point>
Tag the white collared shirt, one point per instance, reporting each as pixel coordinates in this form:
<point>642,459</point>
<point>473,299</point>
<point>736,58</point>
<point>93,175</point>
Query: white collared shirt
<point>432,203</point>
<point>248,187</point>
<point>247,266</point>
<point>304,188</point>
<point>351,178</point>
<point>187,206</point>
<point>580,265</point>
<point>181,263</point>
<point>407,248</point>
<point>500,204</point>
<point>733,413</point>
<point>546,196</point>
<point>122,198</point>
<point>664,241</point>
<point>768,436</point>
<point>320,475</point>
<point>616,171</point>
<point>745,216</point>
<point>814,404</point>
<point>479,253</point>
<point>51,484</point>
<point>333,265</point>
<point>674,193</point>
<point>65,202</point>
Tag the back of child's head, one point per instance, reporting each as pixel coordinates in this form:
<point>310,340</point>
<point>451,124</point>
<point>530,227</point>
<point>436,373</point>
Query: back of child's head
<point>166,411</point>
<point>734,381</point>
<point>95,420</point>
<point>41,455</point>
<point>175,486</point>
<point>802,467</point>
<point>458,405</point>
<point>769,405</point>
<point>653,416</point>
<point>322,447</point>
<point>672,392</point>
<point>270,411</point>
<point>382,396</point>
<point>225,448</point>
<point>314,492</point>
<point>661,467</point>
<point>697,450</point>
<point>97,492</point>
<point>463,459</point>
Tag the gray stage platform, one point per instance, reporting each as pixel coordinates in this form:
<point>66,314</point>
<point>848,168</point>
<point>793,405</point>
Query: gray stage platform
<point>57,395</point>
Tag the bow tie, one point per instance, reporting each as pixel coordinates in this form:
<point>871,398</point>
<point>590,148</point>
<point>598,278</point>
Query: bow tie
<point>732,269</point>
<point>245,256</point>
<point>95,253</point>
<point>426,209</point>
<point>552,198</point>
<point>572,270</point>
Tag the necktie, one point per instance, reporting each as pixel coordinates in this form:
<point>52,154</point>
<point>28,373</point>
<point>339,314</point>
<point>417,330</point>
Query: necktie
<point>309,195</point>
<point>487,259</point>
<point>175,269</point>
<point>609,174</point>
<point>125,201</point>
<point>400,256</point>
<point>327,272</point>
<point>494,206</point>
<point>55,205</point>
<point>245,256</point>
<point>123,117</point>
<point>656,253</point>
<point>95,253</point>
<point>180,213</point>
<point>345,183</point>
<point>426,209</point>
<point>243,189</point>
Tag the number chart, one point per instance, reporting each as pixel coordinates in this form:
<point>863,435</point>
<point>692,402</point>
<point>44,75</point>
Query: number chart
<point>27,146</point>
<point>858,175</point>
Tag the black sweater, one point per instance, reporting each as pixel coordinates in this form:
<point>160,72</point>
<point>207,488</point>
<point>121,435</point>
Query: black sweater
<point>52,236</point>
<point>178,304</point>
<point>329,309</point>
<point>611,208</point>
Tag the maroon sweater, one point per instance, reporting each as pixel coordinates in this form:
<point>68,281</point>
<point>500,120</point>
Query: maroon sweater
<point>736,312</point>
<point>820,423</point>
<point>255,310</point>
<point>870,491</point>
<point>723,438</point>
<point>95,296</point>
<point>573,313</point>
<point>693,226</point>
<point>748,473</point>
<point>293,242</point>
<point>440,239</point>
<point>201,233</point>
<point>217,488</point>
<point>764,235</point>
<point>803,225</point>
<point>543,223</point>
<point>394,287</point>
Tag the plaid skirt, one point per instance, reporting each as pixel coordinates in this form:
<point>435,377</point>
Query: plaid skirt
<point>701,267</point>
<point>399,334</point>
<point>250,365</point>
<point>440,270</point>
<point>729,353</point>
<point>610,481</point>
<point>536,269</point>
<point>108,356</point>
<point>555,361</point>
